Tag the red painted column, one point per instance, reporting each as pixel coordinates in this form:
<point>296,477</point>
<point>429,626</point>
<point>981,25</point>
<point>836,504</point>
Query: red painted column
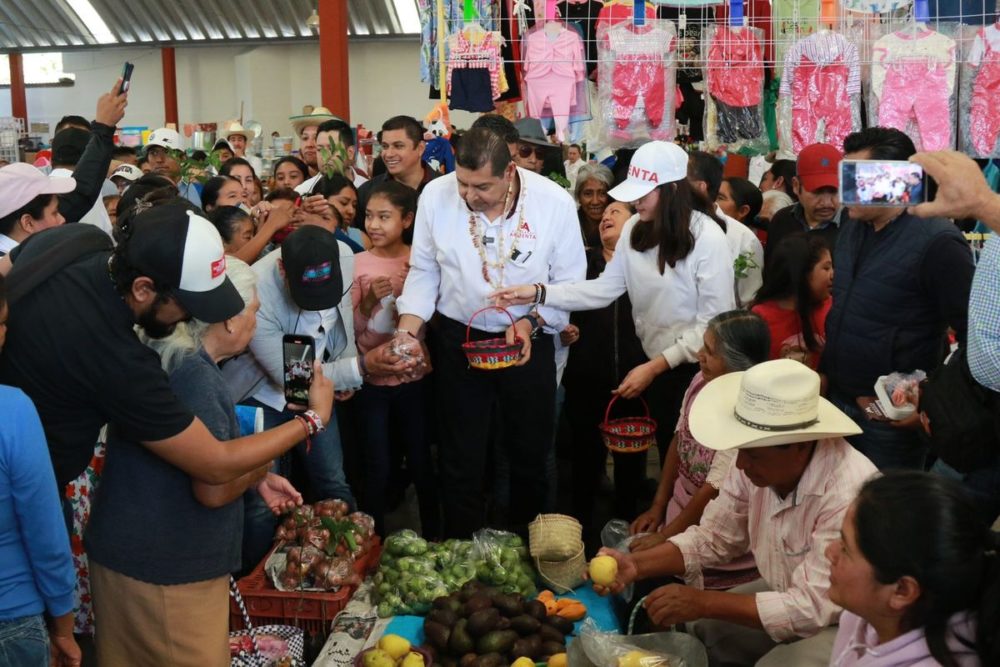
<point>333,57</point>
<point>169,86</point>
<point>18,96</point>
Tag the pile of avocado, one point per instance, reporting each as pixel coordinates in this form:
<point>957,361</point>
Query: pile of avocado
<point>480,626</point>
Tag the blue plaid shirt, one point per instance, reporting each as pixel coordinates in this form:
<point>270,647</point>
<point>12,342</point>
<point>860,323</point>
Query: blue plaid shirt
<point>984,317</point>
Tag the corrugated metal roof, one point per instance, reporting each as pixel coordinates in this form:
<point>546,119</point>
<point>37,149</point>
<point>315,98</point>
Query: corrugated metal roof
<point>39,25</point>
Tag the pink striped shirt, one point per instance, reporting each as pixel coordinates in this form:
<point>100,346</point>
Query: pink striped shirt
<point>824,48</point>
<point>786,536</point>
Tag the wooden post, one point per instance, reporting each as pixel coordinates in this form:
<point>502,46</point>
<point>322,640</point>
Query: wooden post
<point>333,57</point>
<point>18,96</point>
<point>170,114</point>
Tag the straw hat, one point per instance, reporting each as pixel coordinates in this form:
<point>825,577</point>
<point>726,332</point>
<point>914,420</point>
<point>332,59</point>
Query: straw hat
<point>774,403</point>
<point>237,128</point>
<point>317,116</point>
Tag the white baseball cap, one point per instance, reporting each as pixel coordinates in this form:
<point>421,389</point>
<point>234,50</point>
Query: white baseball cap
<point>20,183</point>
<point>127,171</point>
<point>166,138</point>
<point>654,164</point>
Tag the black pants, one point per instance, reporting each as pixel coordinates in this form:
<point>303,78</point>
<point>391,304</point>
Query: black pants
<point>525,400</point>
<point>585,406</point>
<point>737,123</point>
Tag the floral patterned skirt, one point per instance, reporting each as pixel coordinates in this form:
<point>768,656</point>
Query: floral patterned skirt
<point>80,493</point>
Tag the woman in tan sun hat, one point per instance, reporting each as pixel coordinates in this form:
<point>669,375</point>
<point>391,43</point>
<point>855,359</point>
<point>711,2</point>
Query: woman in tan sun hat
<point>795,477</point>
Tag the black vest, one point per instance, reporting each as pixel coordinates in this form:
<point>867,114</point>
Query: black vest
<point>882,320</point>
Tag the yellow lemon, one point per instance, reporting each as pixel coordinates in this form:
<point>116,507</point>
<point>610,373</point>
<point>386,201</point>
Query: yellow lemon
<point>558,660</point>
<point>413,659</point>
<point>633,659</point>
<point>603,570</point>
<point>376,657</point>
<point>394,645</point>
<point>523,662</point>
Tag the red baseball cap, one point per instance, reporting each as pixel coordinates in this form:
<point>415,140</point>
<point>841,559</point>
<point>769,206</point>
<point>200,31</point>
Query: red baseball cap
<point>818,167</point>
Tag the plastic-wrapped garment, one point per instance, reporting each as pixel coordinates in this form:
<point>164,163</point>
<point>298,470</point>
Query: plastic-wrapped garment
<point>431,32</point>
<point>820,91</point>
<point>553,69</point>
<point>793,20</point>
<point>476,49</point>
<point>913,86</point>
<point>735,76</point>
<point>637,68</point>
<point>984,106</point>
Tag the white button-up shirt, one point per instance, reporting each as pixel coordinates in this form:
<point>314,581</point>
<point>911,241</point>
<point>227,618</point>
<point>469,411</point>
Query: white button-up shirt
<point>742,241</point>
<point>787,536</point>
<point>671,310</point>
<point>541,241</point>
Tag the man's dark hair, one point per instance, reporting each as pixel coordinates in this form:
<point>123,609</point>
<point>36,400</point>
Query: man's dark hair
<point>71,121</point>
<point>282,194</point>
<point>414,130</point>
<point>35,208</point>
<point>480,147</point>
<point>119,152</point>
<point>498,125</point>
<point>344,131</point>
<point>705,167</point>
<point>882,143</point>
<point>577,147</point>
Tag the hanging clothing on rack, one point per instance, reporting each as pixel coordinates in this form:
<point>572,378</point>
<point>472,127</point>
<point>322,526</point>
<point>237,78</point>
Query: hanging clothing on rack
<point>613,13</point>
<point>913,80</point>
<point>475,69</point>
<point>487,11</point>
<point>640,57</point>
<point>822,73</point>
<point>736,82</point>
<point>793,20</point>
<point>984,110</point>
<point>584,14</point>
<point>553,68</point>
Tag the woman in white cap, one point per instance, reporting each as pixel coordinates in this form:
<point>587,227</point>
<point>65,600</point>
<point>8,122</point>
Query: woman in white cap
<point>675,265</point>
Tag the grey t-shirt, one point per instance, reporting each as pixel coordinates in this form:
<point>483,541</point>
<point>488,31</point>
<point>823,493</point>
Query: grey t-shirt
<point>146,522</point>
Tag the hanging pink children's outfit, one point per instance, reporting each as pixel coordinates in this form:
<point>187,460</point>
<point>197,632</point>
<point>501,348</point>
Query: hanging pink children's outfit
<point>638,67</point>
<point>553,68</point>
<point>913,85</point>
<point>984,109</point>
<point>820,91</point>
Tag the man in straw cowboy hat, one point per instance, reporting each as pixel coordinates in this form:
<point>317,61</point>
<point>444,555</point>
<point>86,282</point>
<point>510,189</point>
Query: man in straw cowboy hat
<point>239,139</point>
<point>784,500</point>
<point>306,127</point>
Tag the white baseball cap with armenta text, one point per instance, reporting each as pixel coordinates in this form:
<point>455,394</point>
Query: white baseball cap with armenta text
<point>654,164</point>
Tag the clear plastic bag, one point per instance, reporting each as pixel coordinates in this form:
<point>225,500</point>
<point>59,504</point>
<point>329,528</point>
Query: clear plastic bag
<point>979,91</point>
<point>734,83</point>
<point>637,74</point>
<point>819,102</point>
<point>595,648</point>
<point>399,592</point>
<point>503,562</point>
<point>914,84</point>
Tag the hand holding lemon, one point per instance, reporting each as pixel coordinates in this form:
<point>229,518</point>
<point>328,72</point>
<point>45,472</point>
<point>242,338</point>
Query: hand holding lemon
<point>611,571</point>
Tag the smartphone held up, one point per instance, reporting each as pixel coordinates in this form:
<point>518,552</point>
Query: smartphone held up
<point>126,78</point>
<point>299,354</point>
<point>896,183</point>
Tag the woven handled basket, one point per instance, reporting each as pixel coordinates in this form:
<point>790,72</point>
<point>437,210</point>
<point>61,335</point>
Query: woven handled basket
<point>555,543</point>
<point>628,435</point>
<point>491,354</point>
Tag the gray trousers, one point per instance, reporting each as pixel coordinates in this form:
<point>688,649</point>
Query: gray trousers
<point>732,645</point>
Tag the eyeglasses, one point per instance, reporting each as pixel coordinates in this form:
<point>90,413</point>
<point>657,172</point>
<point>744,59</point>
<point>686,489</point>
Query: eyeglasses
<point>525,150</point>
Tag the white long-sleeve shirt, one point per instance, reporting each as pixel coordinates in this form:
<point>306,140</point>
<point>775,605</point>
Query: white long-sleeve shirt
<point>446,270</point>
<point>742,241</point>
<point>671,310</point>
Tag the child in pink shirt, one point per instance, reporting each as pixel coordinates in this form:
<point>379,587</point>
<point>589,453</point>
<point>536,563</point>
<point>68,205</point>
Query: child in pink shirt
<point>390,409</point>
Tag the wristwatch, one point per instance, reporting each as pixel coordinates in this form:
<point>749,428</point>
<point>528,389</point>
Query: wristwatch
<point>533,321</point>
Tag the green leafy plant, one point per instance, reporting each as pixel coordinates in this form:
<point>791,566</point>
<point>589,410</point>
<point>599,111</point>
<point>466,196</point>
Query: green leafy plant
<point>743,264</point>
<point>198,171</point>
<point>334,160</point>
<point>559,179</point>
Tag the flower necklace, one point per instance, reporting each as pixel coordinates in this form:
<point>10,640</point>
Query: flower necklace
<point>477,234</point>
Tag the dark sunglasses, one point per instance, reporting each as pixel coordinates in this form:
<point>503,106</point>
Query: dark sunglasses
<point>525,150</point>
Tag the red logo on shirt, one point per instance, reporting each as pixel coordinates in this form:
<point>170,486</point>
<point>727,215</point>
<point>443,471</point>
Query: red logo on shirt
<point>643,174</point>
<point>218,267</point>
<point>524,232</point>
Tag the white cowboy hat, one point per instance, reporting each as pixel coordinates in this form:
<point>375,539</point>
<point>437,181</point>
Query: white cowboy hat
<point>237,128</point>
<point>774,403</point>
<point>317,116</point>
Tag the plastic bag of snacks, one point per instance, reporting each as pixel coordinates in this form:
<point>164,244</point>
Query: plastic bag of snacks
<point>504,562</point>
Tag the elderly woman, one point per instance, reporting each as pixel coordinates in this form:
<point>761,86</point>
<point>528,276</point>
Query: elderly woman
<point>170,542</point>
<point>592,184</point>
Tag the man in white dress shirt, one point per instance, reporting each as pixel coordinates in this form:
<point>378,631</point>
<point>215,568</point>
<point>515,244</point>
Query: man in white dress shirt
<point>487,225</point>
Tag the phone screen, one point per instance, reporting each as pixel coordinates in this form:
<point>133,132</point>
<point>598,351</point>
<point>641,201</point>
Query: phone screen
<point>126,78</point>
<point>881,183</point>
<point>299,354</point>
